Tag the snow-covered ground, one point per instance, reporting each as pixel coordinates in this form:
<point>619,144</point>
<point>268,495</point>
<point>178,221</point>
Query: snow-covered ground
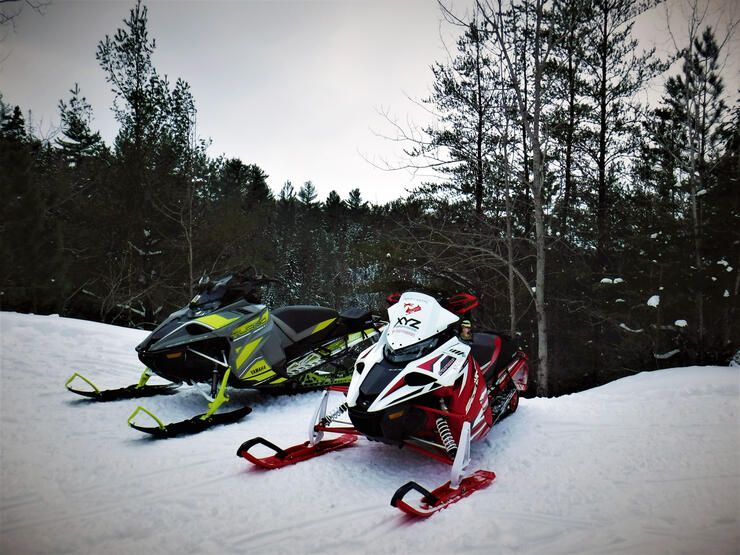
<point>647,464</point>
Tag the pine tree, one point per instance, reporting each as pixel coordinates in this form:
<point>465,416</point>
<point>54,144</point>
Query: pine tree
<point>153,186</point>
<point>616,72</point>
<point>307,194</point>
<point>694,113</point>
<point>78,141</point>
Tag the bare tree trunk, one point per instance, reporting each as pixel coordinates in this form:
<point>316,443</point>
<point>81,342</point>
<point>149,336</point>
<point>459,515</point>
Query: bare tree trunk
<point>532,131</point>
<point>479,138</point>
<point>691,106</point>
<point>539,214</point>
<point>601,209</point>
<point>509,215</point>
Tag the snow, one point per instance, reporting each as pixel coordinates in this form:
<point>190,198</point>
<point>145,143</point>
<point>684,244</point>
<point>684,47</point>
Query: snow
<point>681,323</point>
<point>645,464</point>
<point>654,301</point>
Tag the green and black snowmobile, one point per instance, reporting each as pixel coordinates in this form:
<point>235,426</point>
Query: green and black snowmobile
<point>225,338</point>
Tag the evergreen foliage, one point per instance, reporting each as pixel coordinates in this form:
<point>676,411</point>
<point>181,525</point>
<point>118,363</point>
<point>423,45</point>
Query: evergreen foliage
<point>630,212</point>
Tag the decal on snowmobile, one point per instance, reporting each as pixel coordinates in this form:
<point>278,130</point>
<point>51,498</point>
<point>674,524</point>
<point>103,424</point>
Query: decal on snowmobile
<point>322,325</point>
<point>260,370</point>
<point>412,323</point>
<point>411,307</point>
<point>250,326</point>
<point>244,352</point>
<point>216,321</point>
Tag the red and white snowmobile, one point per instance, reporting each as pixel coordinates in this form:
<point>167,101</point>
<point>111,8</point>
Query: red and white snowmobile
<point>423,387</point>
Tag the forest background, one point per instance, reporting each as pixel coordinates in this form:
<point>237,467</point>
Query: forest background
<point>599,230</point>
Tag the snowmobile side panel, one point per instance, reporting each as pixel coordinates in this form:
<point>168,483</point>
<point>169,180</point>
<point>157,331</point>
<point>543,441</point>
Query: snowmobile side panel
<point>292,455</point>
<point>442,497</point>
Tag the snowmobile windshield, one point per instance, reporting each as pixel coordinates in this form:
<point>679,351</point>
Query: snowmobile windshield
<point>211,294</point>
<point>412,352</point>
<point>208,297</point>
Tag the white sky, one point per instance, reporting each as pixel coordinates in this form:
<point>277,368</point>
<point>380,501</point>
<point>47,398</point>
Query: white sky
<point>295,87</point>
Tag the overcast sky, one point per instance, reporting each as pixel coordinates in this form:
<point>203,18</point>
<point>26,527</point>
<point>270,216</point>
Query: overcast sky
<point>295,87</point>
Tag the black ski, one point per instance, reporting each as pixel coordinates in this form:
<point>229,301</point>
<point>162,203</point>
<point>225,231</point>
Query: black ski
<point>133,391</point>
<point>191,426</point>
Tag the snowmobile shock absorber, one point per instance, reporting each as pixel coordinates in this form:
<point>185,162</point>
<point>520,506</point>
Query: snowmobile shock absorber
<point>445,434</point>
<point>214,381</point>
<point>333,416</point>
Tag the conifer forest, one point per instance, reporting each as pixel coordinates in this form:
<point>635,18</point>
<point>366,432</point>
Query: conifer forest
<point>599,229</point>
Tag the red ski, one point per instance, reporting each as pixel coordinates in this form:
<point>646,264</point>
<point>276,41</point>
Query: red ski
<point>443,496</point>
<point>292,455</point>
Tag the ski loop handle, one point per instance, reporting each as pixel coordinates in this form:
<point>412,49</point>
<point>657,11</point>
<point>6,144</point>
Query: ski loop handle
<point>247,445</point>
<point>428,498</point>
<point>89,393</point>
<point>142,409</point>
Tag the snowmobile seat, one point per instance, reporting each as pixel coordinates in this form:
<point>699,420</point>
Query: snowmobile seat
<point>300,322</point>
<point>356,319</point>
<point>483,349</point>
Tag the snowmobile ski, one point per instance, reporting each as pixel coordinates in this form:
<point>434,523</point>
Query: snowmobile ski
<point>133,391</point>
<point>199,422</point>
<point>190,426</point>
<point>292,455</point>
<point>442,497</point>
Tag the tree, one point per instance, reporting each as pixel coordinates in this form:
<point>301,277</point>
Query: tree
<point>531,114</point>
<point>464,143</point>
<point>571,29</point>
<point>11,9</point>
<point>694,113</point>
<point>355,202</point>
<point>31,249</point>
<point>78,141</point>
<point>307,194</point>
<point>616,73</point>
<point>154,152</point>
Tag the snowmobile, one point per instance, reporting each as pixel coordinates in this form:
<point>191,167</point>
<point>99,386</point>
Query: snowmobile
<point>422,387</point>
<point>226,337</point>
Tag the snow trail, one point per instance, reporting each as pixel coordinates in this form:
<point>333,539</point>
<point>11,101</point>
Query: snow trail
<point>646,464</point>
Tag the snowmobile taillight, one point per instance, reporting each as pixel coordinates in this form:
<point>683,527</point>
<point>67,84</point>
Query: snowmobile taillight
<point>174,355</point>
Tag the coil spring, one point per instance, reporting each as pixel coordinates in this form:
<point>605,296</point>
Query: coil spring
<point>333,416</point>
<point>446,436</point>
